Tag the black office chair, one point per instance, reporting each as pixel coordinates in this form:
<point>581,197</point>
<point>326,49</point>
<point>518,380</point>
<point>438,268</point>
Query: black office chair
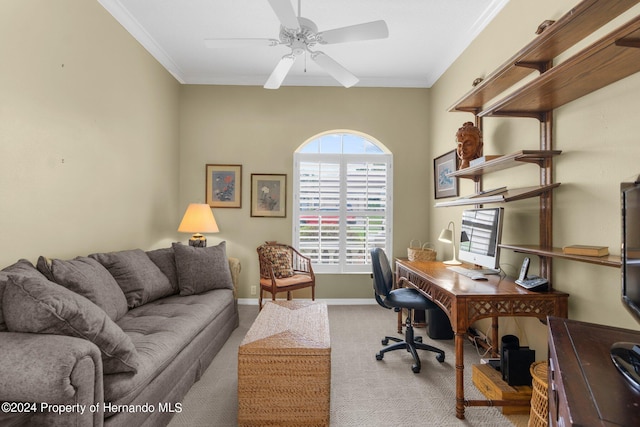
<point>407,298</point>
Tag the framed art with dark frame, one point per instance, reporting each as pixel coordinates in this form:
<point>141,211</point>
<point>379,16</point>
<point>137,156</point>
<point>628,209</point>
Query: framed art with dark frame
<point>224,186</point>
<point>445,186</point>
<point>269,195</point>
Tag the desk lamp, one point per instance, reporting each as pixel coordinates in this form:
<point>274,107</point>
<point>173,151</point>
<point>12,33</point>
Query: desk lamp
<point>198,219</point>
<point>448,236</point>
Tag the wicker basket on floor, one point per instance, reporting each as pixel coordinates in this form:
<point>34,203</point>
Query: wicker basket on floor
<point>539,416</point>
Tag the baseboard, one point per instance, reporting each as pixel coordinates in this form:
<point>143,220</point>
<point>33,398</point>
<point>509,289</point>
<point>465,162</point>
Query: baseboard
<point>329,301</point>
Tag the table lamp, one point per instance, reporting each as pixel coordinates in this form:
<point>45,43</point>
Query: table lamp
<point>448,236</point>
<point>198,219</point>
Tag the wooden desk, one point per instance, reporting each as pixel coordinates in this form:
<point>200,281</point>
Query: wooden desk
<point>466,301</point>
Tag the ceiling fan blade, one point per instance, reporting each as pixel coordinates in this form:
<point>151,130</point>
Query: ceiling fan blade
<point>234,43</point>
<point>280,72</point>
<point>367,31</point>
<point>336,70</point>
<point>285,13</point>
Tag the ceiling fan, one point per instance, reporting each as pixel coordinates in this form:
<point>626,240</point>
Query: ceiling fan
<point>300,34</point>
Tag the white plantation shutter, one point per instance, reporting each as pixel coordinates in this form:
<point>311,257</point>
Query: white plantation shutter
<point>342,206</point>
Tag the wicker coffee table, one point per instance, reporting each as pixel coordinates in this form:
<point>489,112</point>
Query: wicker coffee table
<point>284,366</point>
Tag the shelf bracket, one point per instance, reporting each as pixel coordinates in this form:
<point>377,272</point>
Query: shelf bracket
<point>628,42</point>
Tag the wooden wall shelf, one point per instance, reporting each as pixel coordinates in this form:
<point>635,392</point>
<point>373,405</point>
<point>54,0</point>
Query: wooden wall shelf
<point>505,162</point>
<point>508,196</point>
<point>610,59</point>
<point>572,27</point>
<point>608,261</point>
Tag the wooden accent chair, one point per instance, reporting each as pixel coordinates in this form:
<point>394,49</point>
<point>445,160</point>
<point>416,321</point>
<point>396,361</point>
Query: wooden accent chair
<point>284,269</point>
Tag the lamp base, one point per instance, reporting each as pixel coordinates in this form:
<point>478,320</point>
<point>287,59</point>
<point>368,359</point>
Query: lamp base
<point>452,262</point>
<point>198,241</point>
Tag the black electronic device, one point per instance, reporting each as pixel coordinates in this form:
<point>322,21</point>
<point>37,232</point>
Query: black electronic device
<point>517,365</point>
<point>533,283</point>
<point>625,355</point>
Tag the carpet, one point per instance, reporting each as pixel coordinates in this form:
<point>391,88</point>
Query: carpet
<point>364,391</point>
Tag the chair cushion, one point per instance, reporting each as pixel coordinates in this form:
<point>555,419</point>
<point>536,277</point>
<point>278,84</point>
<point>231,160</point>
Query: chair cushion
<point>139,278</point>
<point>409,298</point>
<point>87,277</point>
<point>296,279</point>
<point>202,269</point>
<point>280,259</point>
<point>43,307</point>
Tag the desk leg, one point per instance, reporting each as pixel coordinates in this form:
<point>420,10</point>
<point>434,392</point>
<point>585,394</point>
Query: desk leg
<point>459,343</point>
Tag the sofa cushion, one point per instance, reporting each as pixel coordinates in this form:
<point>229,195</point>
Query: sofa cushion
<point>24,268</point>
<point>87,277</point>
<point>160,330</point>
<point>138,277</point>
<point>202,269</point>
<point>40,306</point>
<point>166,262</point>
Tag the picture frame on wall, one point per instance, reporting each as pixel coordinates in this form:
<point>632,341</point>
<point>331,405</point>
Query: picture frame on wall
<point>445,186</point>
<point>224,186</point>
<point>268,195</point>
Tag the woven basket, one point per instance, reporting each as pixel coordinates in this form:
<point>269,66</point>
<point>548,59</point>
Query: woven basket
<point>539,416</point>
<point>421,252</point>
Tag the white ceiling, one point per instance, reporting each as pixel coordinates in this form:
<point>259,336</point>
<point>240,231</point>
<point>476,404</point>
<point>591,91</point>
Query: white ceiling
<point>425,38</point>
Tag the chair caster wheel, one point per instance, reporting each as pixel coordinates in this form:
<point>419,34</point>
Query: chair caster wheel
<point>440,358</point>
<point>379,356</point>
<point>415,369</point>
<point>385,341</point>
<point>418,339</point>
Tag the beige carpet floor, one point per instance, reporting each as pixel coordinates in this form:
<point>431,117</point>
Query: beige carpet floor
<point>364,391</point>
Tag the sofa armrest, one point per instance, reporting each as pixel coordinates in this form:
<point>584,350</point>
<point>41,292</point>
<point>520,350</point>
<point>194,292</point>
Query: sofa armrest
<point>52,370</point>
<point>235,267</point>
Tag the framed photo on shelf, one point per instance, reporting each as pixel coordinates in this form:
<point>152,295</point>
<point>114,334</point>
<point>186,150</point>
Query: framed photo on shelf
<point>445,186</point>
<point>224,186</point>
<point>269,195</point>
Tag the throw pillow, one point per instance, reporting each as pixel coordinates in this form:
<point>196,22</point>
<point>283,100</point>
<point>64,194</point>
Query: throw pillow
<point>138,277</point>
<point>202,269</point>
<point>43,307</point>
<point>24,268</point>
<point>280,259</point>
<point>87,277</point>
<point>166,262</point>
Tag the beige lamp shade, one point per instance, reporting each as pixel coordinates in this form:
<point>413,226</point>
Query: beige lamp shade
<point>198,219</point>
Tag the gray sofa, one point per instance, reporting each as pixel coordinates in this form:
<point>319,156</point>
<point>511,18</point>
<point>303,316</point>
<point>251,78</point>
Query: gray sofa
<point>114,339</point>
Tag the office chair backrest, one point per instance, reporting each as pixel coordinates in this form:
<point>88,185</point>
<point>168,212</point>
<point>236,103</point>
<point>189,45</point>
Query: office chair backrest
<point>382,275</point>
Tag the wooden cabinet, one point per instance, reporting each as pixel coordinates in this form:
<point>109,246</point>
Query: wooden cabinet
<point>585,388</point>
<point>607,60</point>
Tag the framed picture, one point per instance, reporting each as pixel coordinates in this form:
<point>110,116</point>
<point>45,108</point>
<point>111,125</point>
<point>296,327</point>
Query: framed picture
<point>445,186</point>
<point>269,195</point>
<point>224,186</point>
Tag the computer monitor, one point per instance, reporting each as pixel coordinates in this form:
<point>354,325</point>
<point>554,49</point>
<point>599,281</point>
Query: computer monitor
<point>480,237</point>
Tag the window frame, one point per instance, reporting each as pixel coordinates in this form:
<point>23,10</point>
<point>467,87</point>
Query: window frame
<point>344,159</point>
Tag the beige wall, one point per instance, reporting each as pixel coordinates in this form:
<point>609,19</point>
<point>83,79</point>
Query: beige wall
<point>598,137</point>
<point>88,134</point>
<point>102,150</point>
<point>261,129</point>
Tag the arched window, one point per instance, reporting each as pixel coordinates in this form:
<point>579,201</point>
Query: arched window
<point>342,200</point>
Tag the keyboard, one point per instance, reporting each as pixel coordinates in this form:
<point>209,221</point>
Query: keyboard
<point>472,271</point>
<point>534,283</point>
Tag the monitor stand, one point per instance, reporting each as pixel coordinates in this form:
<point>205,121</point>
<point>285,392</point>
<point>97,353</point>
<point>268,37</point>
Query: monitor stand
<point>626,357</point>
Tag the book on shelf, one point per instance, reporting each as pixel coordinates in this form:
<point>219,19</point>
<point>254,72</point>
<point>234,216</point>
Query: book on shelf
<point>483,159</point>
<point>586,250</point>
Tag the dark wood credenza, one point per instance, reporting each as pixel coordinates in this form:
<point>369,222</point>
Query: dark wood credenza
<point>585,388</point>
